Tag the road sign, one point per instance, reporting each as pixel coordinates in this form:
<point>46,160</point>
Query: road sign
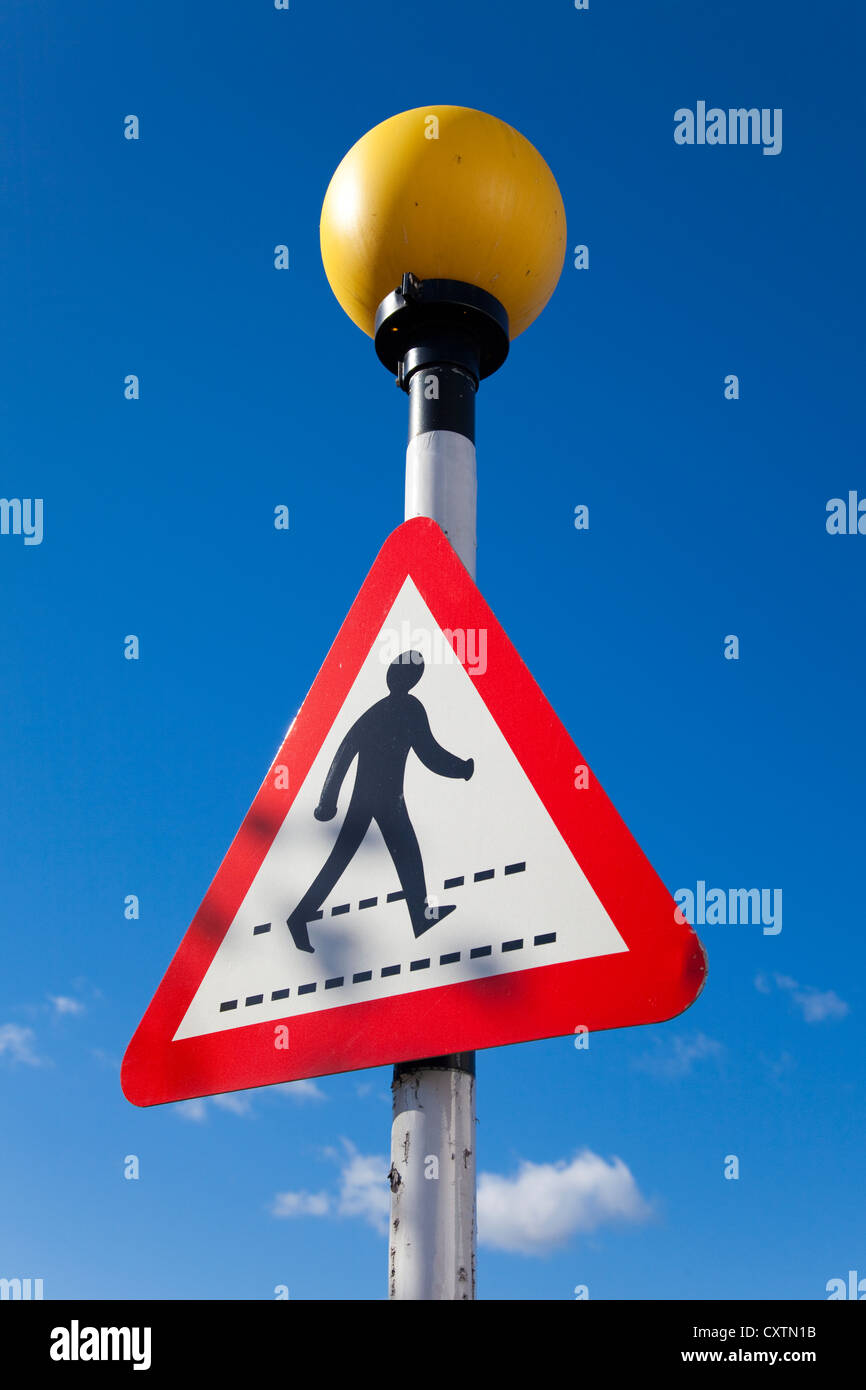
<point>427,868</point>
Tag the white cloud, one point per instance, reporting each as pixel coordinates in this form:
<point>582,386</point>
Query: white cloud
<point>235,1102</point>
<point>814,1004</point>
<point>785,981</point>
<point>301,1090</point>
<point>16,1042</point>
<point>301,1204</point>
<point>241,1103</point>
<point>64,1005</point>
<point>194,1110</point>
<point>675,1056</point>
<point>362,1192</point>
<point>533,1212</point>
<point>544,1205</point>
<point>364,1188</point>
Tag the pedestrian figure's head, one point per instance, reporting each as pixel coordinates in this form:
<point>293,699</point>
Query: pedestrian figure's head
<point>405,671</point>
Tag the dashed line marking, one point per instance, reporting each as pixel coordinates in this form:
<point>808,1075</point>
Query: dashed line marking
<point>365,976</point>
<point>398,896</point>
<point>388,971</point>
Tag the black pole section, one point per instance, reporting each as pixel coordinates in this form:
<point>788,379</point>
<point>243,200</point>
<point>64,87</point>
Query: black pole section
<point>452,1061</point>
<point>440,338</point>
<point>441,397</point>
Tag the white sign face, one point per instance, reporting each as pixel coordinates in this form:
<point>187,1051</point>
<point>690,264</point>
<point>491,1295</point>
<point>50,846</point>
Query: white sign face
<point>501,892</point>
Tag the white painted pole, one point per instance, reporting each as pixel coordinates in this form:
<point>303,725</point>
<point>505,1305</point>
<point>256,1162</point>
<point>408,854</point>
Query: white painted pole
<point>432,1234</point>
<point>441,483</point>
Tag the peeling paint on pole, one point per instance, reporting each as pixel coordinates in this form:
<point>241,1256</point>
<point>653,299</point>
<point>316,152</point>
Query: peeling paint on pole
<point>432,1229</point>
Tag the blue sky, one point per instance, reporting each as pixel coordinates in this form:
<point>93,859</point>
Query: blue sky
<point>707,518</point>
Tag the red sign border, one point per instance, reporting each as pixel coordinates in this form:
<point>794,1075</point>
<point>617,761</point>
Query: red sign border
<point>659,976</point>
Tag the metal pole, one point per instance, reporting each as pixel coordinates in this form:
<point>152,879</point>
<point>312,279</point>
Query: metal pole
<point>431,1245</point>
<point>448,337</point>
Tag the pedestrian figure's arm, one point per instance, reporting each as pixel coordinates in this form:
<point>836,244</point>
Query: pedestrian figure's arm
<point>432,754</point>
<point>327,807</point>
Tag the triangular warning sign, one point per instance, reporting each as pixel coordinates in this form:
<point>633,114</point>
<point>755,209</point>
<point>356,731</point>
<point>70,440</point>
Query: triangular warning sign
<point>425,869</point>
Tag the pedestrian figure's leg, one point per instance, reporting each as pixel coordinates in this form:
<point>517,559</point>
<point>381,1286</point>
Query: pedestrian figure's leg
<point>352,832</point>
<point>402,845</point>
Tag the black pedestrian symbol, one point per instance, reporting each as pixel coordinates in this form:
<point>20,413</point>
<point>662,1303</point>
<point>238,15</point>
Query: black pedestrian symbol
<point>381,740</point>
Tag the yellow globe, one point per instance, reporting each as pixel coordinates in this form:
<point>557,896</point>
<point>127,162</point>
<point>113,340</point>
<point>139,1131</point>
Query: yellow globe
<point>448,193</point>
